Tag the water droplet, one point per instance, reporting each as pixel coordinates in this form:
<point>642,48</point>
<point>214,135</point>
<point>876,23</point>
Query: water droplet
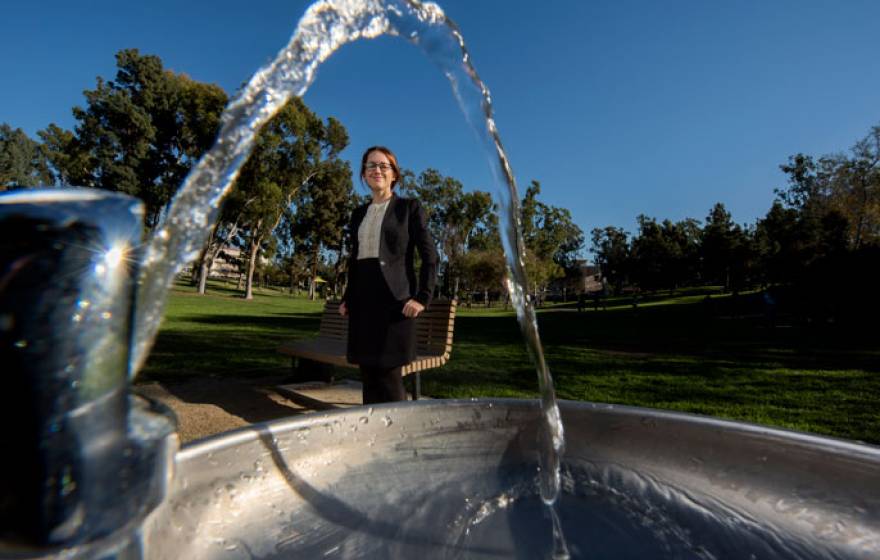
<point>303,435</point>
<point>363,419</point>
<point>21,343</point>
<point>387,421</point>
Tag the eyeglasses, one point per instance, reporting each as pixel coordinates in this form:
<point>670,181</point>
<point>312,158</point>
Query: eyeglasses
<point>382,166</point>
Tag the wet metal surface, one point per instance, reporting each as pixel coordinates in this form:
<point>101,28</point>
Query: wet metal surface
<point>456,479</point>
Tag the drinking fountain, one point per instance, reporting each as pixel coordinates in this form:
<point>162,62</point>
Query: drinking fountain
<point>84,460</point>
<point>94,472</point>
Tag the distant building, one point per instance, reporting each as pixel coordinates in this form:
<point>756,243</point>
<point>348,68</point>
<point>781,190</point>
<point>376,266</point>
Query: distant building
<point>583,278</point>
<point>227,263</point>
<point>590,278</point>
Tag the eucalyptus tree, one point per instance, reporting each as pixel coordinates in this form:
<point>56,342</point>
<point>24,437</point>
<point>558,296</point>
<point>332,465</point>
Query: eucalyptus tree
<point>322,210</point>
<point>859,197</point>
<point>454,218</point>
<point>553,241</point>
<point>848,185</point>
<point>438,195</point>
<point>293,150</point>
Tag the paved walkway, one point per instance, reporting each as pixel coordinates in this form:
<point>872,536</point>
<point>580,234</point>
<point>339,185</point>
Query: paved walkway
<point>318,395</point>
<point>322,396</point>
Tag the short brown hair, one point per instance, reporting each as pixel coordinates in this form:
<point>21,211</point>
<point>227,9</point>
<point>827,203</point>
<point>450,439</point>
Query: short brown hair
<point>391,157</point>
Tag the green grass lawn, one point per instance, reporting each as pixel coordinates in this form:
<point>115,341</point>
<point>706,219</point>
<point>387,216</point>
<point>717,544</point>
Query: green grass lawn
<point>720,358</point>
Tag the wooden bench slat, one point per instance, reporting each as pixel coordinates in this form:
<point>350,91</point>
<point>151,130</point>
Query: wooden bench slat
<point>434,334</point>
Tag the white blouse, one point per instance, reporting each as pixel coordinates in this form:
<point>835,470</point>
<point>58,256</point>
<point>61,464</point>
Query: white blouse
<point>370,230</point>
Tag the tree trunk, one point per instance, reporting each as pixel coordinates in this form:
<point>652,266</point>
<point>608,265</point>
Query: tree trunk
<point>314,273</point>
<point>252,265</point>
<point>204,270</point>
<point>197,267</point>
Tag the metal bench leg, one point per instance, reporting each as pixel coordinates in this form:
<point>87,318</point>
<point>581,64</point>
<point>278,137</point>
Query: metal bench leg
<point>417,387</point>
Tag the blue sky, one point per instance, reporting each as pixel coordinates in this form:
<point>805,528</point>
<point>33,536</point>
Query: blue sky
<point>618,108</point>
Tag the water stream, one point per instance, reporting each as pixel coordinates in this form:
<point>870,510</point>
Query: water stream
<point>326,26</point>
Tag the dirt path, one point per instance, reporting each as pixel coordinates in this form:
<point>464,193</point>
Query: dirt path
<point>211,405</point>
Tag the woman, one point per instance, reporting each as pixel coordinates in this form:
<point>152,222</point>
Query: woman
<point>383,295</point>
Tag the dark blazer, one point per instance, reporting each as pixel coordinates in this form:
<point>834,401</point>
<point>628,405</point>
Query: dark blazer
<point>404,231</point>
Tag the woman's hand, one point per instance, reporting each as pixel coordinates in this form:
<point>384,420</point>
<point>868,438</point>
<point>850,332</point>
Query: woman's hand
<point>412,308</point>
<point>343,309</point>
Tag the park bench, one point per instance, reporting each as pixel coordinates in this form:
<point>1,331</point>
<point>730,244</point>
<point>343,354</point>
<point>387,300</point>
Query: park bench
<point>434,328</point>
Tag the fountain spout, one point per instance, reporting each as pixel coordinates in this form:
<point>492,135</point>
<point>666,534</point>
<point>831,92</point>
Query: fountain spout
<point>84,461</point>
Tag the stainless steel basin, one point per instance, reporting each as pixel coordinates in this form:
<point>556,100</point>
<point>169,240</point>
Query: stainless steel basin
<point>456,479</point>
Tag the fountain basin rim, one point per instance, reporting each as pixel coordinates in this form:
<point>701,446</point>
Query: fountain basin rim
<point>231,438</point>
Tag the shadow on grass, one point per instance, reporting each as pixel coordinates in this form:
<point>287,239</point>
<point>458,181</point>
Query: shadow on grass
<point>230,345</point>
<point>297,324</point>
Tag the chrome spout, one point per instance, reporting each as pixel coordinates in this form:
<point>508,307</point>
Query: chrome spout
<point>84,460</point>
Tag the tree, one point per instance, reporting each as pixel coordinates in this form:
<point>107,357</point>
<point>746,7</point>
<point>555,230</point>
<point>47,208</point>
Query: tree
<point>855,190</point>
<point>292,150</point>
<point>484,271</point>
<point>848,186</point>
<point>23,162</point>
<point>454,218</point>
<point>68,162</point>
<point>139,133</point>
<point>653,254</point>
<point>612,250</point>
<point>684,238</point>
<point>323,207</point>
<point>716,245</point>
<point>552,239</point>
<point>726,249</point>
<point>783,244</point>
<point>226,229</point>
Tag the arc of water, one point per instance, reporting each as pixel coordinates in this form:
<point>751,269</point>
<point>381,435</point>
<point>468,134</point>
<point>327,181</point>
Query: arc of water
<point>326,26</point>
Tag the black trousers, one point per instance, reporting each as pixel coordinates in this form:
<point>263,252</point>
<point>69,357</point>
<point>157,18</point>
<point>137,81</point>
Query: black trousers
<point>382,384</point>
